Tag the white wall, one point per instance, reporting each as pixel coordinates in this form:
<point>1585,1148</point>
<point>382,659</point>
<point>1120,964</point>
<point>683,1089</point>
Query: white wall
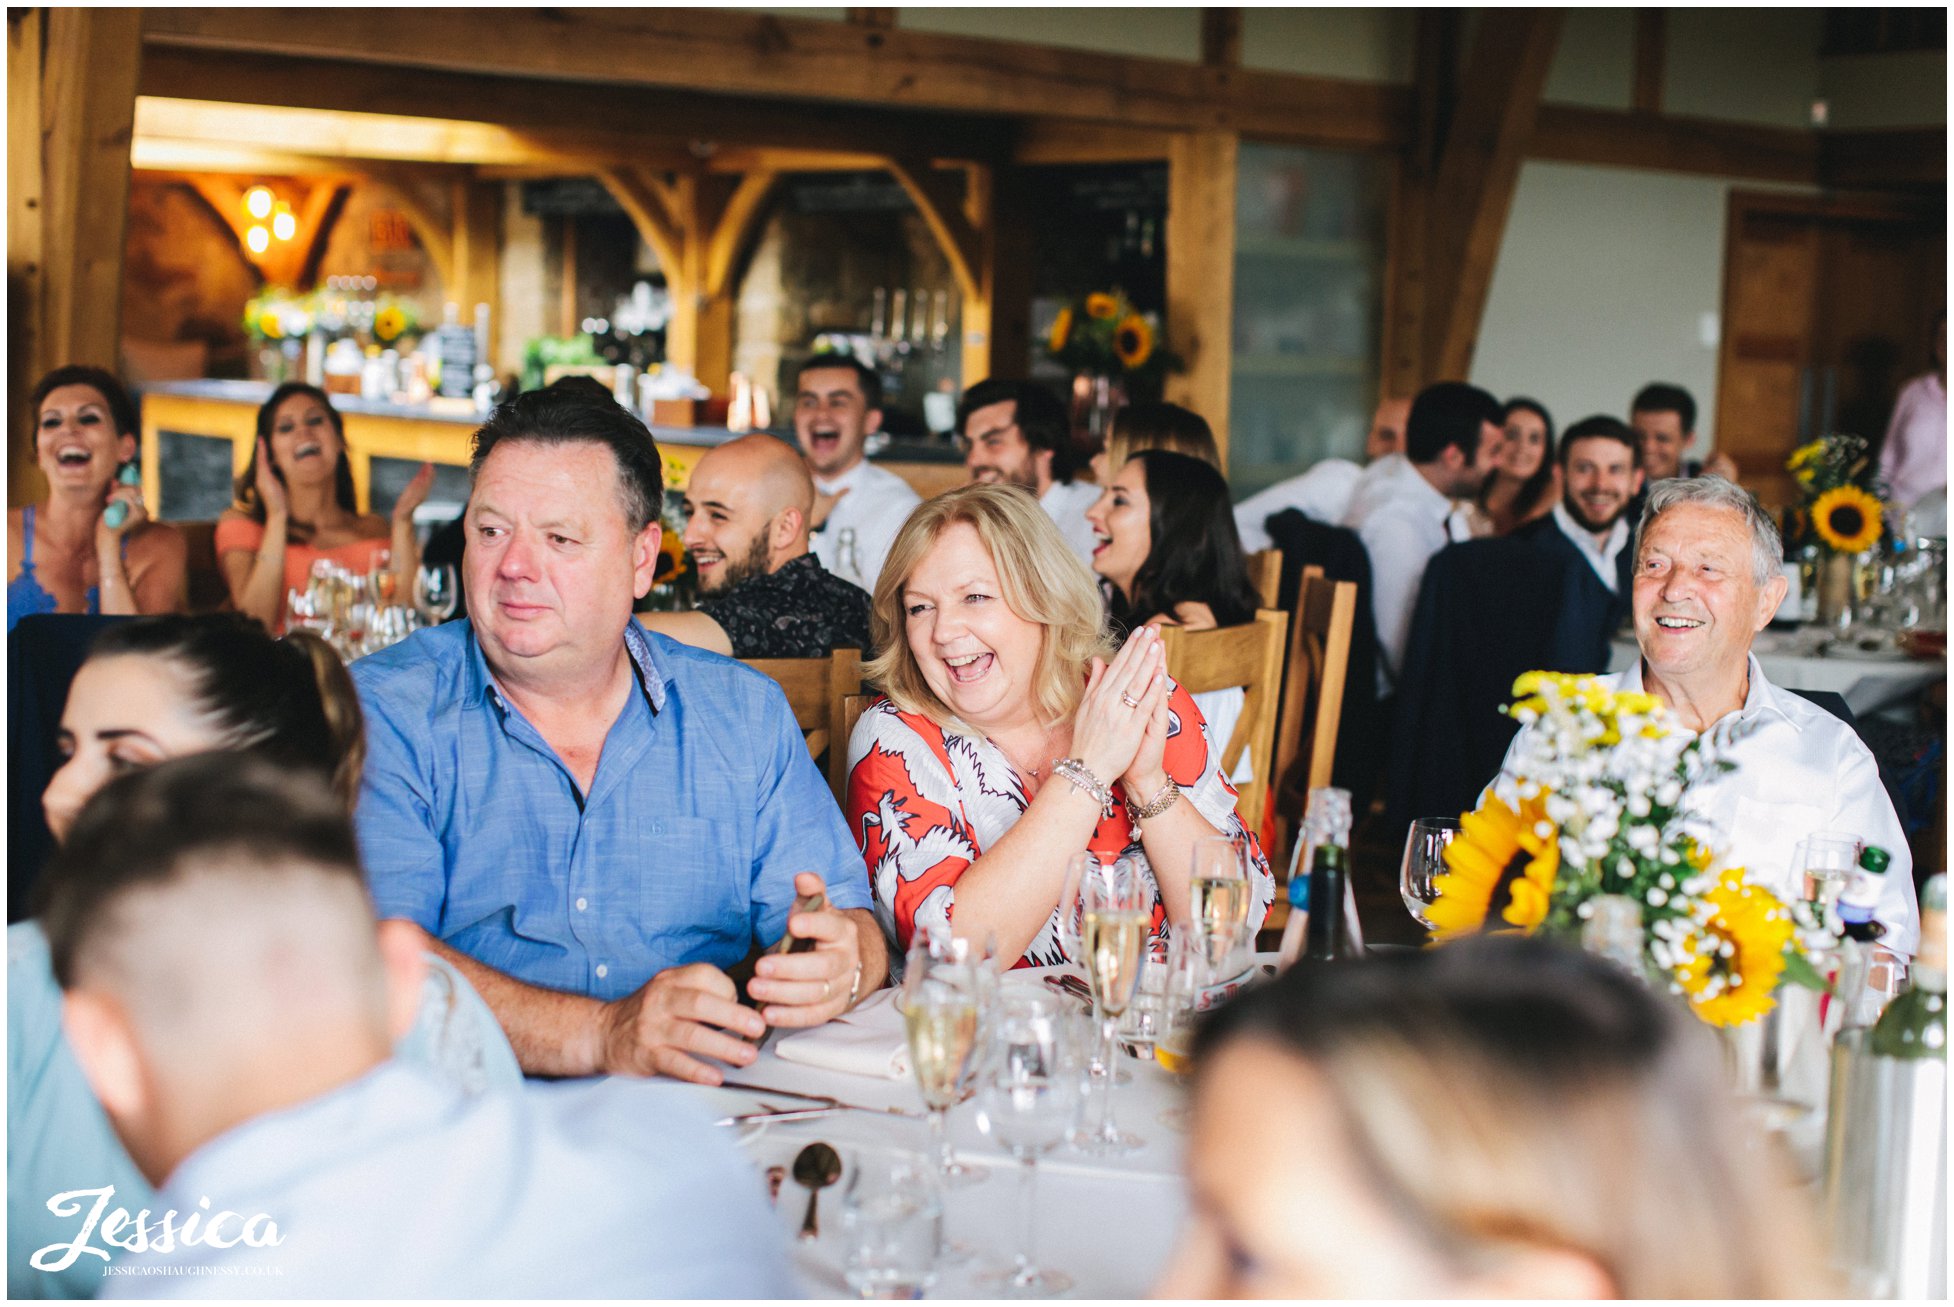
<point>1364,45</point>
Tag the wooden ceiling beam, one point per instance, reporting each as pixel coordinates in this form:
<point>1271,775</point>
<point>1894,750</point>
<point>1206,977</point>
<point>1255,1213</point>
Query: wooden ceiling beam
<point>940,199</point>
<point>1569,134</point>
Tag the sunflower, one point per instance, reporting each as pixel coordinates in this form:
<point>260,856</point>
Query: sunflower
<point>1133,342</point>
<point>1729,964</point>
<point>1847,519</point>
<point>388,324</point>
<point>1061,330</point>
<point>1101,305</point>
<point>1500,853</point>
<point>671,559</point>
<point>270,325</point>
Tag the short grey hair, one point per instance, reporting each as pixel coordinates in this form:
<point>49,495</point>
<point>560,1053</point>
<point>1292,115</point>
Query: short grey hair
<point>1766,545</point>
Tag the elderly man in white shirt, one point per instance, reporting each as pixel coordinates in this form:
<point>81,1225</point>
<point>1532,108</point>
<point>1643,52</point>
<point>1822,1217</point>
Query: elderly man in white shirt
<point>1017,433</point>
<point>858,507</point>
<point>1706,581</point>
<point>1405,510</point>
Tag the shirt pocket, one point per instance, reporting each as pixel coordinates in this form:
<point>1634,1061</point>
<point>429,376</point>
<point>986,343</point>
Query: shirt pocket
<point>1764,838</point>
<point>697,889</point>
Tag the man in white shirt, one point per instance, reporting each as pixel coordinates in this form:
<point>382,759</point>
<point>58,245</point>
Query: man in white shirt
<point>1914,458</point>
<point>1404,510</point>
<point>1017,433</point>
<point>858,507</point>
<point>1707,580</point>
<point>1323,492</point>
<point>1600,461</point>
<point>230,999</point>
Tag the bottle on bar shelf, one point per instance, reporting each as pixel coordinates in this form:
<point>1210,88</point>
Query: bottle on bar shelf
<point>1914,1025</point>
<point>1322,935</point>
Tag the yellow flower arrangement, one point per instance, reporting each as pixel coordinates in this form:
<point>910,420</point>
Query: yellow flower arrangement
<point>270,325</point>
<point>1133,343</point>
<point>1847,519</point>
<point>1061,330</point>
<point>671,558</point>
<point>1729,962</point>
<point>1497,848</point>
<point>389,324</point>
<point>1102,306</point>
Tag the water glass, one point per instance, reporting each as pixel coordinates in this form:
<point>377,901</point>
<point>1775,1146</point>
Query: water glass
<point>1030,1091</point>
<point>1822,864</point>
<point>1424,862</point>
<point>891,1222</point>
<point>436,593</point>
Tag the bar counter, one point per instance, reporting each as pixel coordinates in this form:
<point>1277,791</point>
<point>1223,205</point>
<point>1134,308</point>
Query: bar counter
<point>197,435</point>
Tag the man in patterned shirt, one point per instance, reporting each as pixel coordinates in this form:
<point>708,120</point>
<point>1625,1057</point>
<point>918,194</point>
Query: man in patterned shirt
<point>766,594</point>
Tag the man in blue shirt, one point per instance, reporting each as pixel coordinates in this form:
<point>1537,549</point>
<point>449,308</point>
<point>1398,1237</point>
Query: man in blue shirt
<point>596,822</point>
<point>231,1003</point>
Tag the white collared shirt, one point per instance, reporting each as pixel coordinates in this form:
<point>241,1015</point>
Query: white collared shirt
<point>1322,494</point>
<point>1403,520</point>
<point>854,542</point>
<point>1800,771</point>
<point>1066,503</point>
<point>1602,558</point>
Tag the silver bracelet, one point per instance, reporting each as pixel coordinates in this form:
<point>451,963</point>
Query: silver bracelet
<point>1169,795</point>
<point>1074,770</point>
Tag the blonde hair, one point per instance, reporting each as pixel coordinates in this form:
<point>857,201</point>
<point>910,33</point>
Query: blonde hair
<point>1043,583</point>
<point>1144,427</point>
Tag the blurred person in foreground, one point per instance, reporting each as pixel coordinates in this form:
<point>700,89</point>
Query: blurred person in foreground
<point>763,593</point>
<point>1707,579</point>
<point>1497,1118</point>
<point>1014,736</point>
<point>1323,493</point>
<point>858,507</point>
<point>233,1003</point>
<point>1018,433</point>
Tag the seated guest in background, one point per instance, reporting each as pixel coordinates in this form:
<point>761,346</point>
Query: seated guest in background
<point>233,1004</point>
<point>1913,459</point>
<point>295,505</point>
<point>763,594</point>
<point>858,507</point>
<point>1017,433</point>
<point>1707,580</point>
<point>1170,557</point>
<point>1324,492</point>
<point>1599,459</point>
<point>1664,418</point>
<point>594,820</point>
<point>1140,427</point>
<point>64,555</point>
<point>151,690</point>
<point>1405,511</point>
<point>1008,742</point>
<point>1523,488</point>
<point>1497,1118</point>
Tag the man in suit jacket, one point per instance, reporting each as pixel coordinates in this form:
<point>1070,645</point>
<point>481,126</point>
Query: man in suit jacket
<point>1601,472</point>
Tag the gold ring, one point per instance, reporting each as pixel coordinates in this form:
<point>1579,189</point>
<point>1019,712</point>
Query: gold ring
<point>827,990</point>
<point>1128,700</point>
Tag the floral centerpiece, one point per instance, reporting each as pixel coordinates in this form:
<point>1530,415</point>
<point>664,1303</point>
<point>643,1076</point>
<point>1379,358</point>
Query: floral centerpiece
<point>1113,351</point>
<point>1840,493</point>
<point>1599,812</point>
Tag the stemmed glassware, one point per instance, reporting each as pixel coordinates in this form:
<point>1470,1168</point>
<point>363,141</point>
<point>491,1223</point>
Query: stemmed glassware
<point>946,1003</point>
<point>1821,866</point>
<point>1104,917</point>
<point>1424,862</point>
<point>1219,888</point>
<point>1030,1089</point>
<point>436,595</point>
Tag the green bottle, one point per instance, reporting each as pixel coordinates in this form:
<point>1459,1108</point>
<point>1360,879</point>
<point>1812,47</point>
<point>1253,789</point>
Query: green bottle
<point>1914,1025</point>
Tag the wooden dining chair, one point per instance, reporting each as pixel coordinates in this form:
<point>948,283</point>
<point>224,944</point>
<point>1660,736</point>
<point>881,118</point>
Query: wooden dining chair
<point>1265,574</point>
<point>817,691</point>
<point>1249,657</point>
<point>1312,697</point>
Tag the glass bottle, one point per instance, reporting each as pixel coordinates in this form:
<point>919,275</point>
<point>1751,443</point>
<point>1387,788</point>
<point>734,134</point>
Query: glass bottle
<point>1914,1025</point>
<point>1325,938</point>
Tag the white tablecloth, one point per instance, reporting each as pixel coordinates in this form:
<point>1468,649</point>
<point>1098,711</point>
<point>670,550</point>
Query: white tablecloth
<point>1799,660</point>
<point>1109,1223</point>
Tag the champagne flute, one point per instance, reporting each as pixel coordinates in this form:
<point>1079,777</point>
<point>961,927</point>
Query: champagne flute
<point>943,998</point>
<point>1219,887</point>
<point>1029,1093</point>
<point>1110,914</point>
<point>1424,862</point>
<point>435,592</point>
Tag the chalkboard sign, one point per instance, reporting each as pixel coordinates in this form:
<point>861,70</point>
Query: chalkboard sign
<point>387,477</point>
<point>196,473</point>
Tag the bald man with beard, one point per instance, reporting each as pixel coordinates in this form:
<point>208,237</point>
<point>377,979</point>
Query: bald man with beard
<point>764,593</point>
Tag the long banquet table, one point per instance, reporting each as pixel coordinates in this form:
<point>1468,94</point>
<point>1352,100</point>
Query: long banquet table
<point>1800,660</point>
<point>1110,1223</point>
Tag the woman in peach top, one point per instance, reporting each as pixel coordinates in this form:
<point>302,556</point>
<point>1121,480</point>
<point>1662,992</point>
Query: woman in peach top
<point>295,505</point>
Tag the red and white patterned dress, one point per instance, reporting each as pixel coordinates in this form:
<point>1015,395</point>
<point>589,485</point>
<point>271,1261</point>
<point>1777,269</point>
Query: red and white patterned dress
<point>925,804</point>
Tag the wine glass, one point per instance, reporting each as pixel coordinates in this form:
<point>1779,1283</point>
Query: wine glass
<point>1219,886</point>
<point>943,1000</point>
<point>1424,862</point>
<point>1105,917</point>
<point>380,577</point>
<point>1822,863</point>
<point>1030,1089</point>
<point>435,592</point>
<point>1182,979</point>
<point>892,1224</point>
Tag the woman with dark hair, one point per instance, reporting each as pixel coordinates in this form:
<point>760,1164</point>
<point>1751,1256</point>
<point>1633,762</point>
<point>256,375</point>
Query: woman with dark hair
<point>1526,483</point>
<point>295,505</point>
<point>76,552</point>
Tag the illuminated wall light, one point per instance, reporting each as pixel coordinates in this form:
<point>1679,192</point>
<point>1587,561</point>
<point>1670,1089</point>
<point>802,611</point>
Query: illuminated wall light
<point>284,226</point>
<point>257,202</point>
<point>258,239</point>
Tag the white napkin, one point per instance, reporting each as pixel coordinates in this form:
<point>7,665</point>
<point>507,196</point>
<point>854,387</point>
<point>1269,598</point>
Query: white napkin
<point>868,1041</point>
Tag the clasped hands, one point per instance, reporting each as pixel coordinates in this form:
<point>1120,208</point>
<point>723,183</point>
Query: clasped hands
<point>686,1013</point>
<point>1120,729</point>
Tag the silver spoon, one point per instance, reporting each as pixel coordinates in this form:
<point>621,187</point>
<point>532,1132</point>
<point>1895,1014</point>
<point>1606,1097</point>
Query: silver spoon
<point>817,1167</point>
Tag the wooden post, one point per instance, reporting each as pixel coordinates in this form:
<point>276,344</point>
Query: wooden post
<point>1651,45</point>
<point>1201,175</point>
<point>477,209</point>
<point>72,77</point>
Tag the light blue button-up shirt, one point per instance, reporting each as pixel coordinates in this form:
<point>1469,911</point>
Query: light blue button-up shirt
<point>704,806</point>
<point>394,1186</point>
